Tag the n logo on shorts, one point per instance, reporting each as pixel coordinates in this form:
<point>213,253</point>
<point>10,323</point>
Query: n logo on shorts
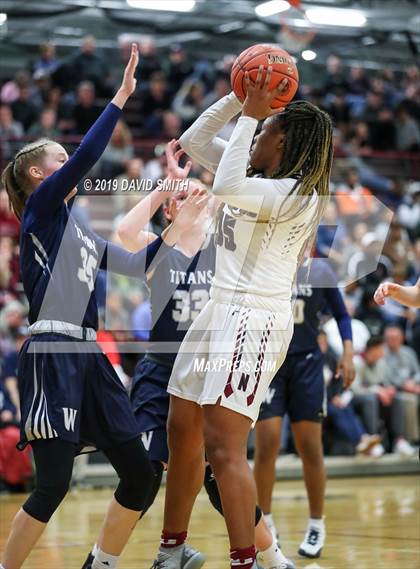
<point>243,382</point>
<point>69,418</point>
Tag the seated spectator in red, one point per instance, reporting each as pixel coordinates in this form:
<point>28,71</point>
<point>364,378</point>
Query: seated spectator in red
<point>86,111</point>
<point>46,126</point>
<point>9,225</point>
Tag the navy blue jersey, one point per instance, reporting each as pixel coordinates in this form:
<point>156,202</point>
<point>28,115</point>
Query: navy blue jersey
<point>179,291</point>
<point>316,294</point>
<point>59,258</point>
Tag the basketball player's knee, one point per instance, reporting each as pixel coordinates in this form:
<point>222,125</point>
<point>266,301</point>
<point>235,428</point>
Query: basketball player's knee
<point>181,433</point>
<point>218,451</point>
<point>136,481</point>
<point>310,450</point>
<point>45,499</point>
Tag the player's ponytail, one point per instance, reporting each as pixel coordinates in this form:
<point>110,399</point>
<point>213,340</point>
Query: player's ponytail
<point>15,177</point>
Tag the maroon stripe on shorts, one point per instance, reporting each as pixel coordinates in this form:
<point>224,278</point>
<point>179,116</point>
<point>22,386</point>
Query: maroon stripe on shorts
<point>237,353</point>
<point>261,355</point>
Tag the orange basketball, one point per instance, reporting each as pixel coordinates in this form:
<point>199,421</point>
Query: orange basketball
<point>267,55</point>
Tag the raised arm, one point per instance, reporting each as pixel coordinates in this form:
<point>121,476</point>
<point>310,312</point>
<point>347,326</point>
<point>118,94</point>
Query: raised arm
<point>200,140</point>
<point>131,228</point>
<point>120,261</point>
<point>50,194</point>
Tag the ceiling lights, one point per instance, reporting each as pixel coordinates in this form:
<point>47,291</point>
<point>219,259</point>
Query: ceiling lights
<point>164,5</point>
<point>336,17</point>
<point>271,8</point>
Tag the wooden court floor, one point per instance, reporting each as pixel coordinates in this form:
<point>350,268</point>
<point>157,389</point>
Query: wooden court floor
<point>372,523</point>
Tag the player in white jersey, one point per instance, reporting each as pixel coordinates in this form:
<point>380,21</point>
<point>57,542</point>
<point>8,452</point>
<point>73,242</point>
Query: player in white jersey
<point>274,199</point>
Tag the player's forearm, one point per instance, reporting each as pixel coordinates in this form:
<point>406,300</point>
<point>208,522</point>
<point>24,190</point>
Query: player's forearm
<point>131,228</point>
<point>409,295</point>
<point>120,98</point>
<point>200,141</point>
<point>139,264</point>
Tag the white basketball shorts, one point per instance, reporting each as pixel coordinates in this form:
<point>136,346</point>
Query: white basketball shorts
<point>232,353</point>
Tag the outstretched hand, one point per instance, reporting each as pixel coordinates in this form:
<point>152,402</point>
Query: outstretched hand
<point>129,82</point>
<point>175,171</point>
<point>258,98</point>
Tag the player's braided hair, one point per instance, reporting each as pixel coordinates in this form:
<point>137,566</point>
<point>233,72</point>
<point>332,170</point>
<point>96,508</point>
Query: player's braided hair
<point>15,176</point>
<point>307,156</point>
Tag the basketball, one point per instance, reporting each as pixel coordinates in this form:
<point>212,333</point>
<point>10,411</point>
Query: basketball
<point>267,55</point>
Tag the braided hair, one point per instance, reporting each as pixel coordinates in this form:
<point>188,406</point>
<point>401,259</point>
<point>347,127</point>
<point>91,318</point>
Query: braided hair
<point>307,157</point>
<point>15,176</point>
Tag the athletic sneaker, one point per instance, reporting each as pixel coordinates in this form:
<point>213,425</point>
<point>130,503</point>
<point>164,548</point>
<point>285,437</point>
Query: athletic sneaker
<point>313,542</point>
<point>367,442</point>
<point>181,557</point>
<point>403,448</point>
<point>283,563</point>
<point>377,451</point>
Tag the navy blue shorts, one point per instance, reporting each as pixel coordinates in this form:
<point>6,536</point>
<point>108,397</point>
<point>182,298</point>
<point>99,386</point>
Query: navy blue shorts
<point>75,396</point>
<point>150,402</point>
<point>297,389</point>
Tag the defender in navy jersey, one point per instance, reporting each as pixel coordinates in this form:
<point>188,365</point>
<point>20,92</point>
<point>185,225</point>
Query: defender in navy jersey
<point>298,390</point>
<point>69,393</point>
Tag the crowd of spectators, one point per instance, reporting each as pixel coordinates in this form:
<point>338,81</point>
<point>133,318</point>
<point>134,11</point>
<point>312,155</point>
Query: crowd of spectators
<point>371,229</point>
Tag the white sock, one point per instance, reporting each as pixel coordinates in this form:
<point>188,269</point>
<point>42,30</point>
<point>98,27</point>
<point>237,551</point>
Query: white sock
<point>317,523</point>
<point>104,560</point>
<point>95,550</point>
<point>273,555</point>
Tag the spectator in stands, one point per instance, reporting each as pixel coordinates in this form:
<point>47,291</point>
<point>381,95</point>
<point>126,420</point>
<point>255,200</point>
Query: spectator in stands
<point>370,313</point>
<point>189,102</point>
<point>155,169</point>
<point>403,372</point>
<point>177,66</point>
<point>8,378</point>
<point>23,109</point>
<point>47,62</point>
<point>368,266</point>
<point>332,235</point>
<point>62,108</point>
<point>339,109</point>
<point>150,61</point>
<point>346,422</point>
<point>11,89</point>
<point>9,225</point>
<point>354,201</point>
<point>89,65</point>
<point>359,83</point>
<point>221,88</point>
<point>125,198</point>
<point>335,75</point>
<point>118,152</point>
<point>382,131</point>
<point>407,131</point>
<point>86,111</point>
<point>359,136</point>
<point>408,213</point>
<point>9,264</point>
<point>9,129</point>
<point>156,100</point>
<point>46,126</point>
<point>141,320</point>
<point>171,126</point>
<point>372,378</point>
